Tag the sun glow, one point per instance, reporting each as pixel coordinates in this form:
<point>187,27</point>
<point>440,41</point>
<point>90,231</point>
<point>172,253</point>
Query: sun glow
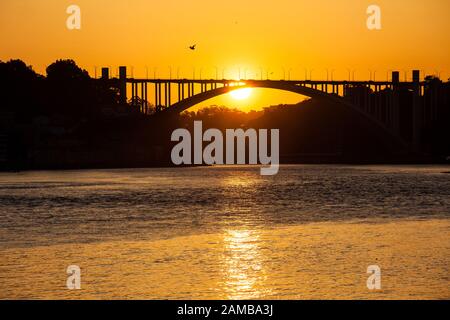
<point>241,94</point>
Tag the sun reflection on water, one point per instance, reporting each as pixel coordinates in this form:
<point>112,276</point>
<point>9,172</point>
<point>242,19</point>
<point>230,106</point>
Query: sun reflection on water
<point>242,264</point>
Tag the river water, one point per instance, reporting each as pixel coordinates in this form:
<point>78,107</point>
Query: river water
<point>226,233</point>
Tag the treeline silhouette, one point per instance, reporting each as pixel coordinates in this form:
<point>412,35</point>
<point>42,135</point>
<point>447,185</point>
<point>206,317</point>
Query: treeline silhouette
<point>65,90</point>
<point>66,119</point>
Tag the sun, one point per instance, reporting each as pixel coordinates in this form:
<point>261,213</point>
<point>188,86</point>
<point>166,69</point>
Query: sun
<point>241,94</point>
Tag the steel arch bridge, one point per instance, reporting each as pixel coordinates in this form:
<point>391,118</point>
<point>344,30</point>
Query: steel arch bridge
<point>375,101</point>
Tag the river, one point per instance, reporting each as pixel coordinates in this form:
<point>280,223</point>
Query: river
<point>309,232</point>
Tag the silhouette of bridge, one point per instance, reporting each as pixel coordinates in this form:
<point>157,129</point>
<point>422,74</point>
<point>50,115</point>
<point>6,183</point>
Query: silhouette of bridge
<point>377,101</point>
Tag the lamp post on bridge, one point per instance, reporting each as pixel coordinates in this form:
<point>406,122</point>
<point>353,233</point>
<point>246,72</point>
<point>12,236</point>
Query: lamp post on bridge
<point>289,70</point>
<point>351,74</point>
<point>374,73</point>
<point>388,73</point>
<point>405,75</point>
<point>310,74</point>
<point>328,74</point>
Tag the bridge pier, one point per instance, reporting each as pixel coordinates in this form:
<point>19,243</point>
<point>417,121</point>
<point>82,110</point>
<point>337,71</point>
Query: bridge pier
<point>165,94</point>
<point>133,93</point>
<point>169,94</point>
<point>395,106</point>
<point>105,73</point>
<point>417,112</point>
<point>123,84</point>
<point>156,96</point>
<point>159,95</point>
<point>144,97</point>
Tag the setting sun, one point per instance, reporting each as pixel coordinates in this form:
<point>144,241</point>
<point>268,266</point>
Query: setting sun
<point>241,94</point>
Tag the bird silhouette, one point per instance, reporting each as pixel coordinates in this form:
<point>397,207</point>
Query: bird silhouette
<point>193,47</point>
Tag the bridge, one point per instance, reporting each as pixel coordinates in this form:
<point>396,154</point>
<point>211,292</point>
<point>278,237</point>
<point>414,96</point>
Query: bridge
<point>376,101</point>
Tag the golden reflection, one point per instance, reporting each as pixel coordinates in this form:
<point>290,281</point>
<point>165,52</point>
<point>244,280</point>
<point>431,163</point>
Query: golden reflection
<point>242,264</point>
<point>243,181</point>
<point>311,261</point>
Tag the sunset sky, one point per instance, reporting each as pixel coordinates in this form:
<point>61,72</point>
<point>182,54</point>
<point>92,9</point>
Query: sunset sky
<point>251,35</point>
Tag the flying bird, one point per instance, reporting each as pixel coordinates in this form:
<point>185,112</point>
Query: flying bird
<point>193,47</point>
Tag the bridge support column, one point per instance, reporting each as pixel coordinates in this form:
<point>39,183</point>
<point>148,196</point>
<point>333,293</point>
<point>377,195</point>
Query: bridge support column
<point>159,95</point>
<point>145,98</point>
<point>133,93</point>
<point>369,100</point>
<point>169,94</point>
<point>105,73</point>
<point>156,97</point>
<point>123,85</point>
<point>395,105</point>
<point>417,112</point>
<point>165,94</point>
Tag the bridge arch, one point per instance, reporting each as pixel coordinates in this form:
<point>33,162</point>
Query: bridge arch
<point>290,87</point>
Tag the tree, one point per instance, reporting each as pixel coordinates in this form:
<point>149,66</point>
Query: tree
<point>66,70</point>
<point>69,89</point>
<point>19,86</point>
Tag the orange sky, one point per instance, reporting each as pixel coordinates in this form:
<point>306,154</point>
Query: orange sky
<point>274,35</point>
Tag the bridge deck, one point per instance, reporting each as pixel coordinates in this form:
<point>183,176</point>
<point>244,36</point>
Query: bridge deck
<point>249,81</point>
